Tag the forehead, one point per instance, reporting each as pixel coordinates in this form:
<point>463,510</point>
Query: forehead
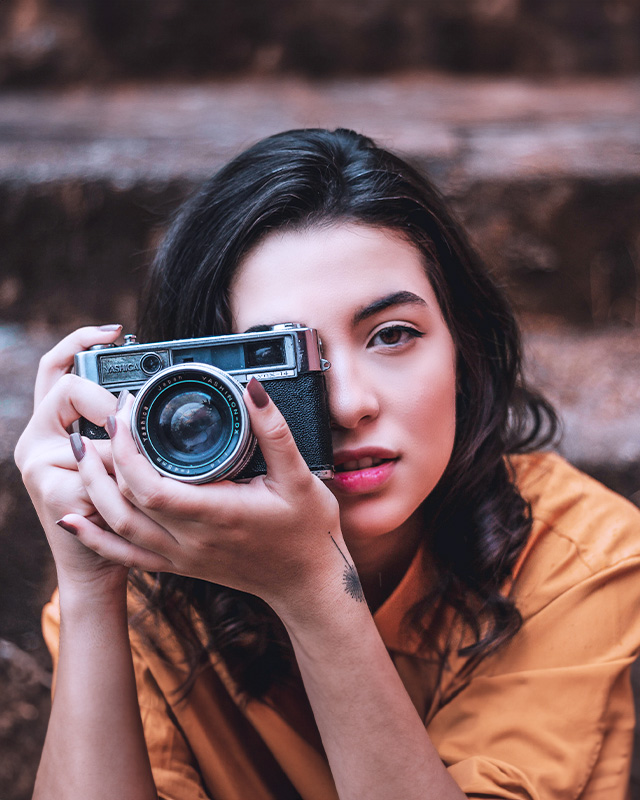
<point>324,274</point>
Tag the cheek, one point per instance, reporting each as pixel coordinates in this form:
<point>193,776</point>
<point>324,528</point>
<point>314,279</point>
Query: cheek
<point>433,428</point>
<point>433,410</point>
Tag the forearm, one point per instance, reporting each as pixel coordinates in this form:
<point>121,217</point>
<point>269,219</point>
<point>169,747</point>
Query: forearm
<point>95,744</point>
<point>375,741</point>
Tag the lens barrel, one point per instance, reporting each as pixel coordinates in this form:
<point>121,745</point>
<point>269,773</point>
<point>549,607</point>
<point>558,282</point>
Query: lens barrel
<point>191,422</point>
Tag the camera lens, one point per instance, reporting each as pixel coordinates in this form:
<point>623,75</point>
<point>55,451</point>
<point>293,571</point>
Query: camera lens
<point>150,363</point>
<point>191,423</point>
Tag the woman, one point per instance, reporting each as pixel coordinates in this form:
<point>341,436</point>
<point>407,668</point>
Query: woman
<point>499,586</point>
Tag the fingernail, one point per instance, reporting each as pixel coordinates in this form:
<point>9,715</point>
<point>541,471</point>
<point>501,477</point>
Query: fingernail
<point>67,526</point>
<point>111,426</point>
<point>122,399</point>
<point>257,393</point>
<point>112,327</point>
<point>77,445</point>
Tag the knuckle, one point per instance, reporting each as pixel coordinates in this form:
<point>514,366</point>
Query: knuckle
<point>34,468</point>
<point>20,453</point>
<point>279,433</point>
<point>123,526</point>
<point>54,360</point>
<point>302,481</point>
<point>49,492</point>
<point>227,520</point>
<point>46,361</point>
<point>67,384</point>
<point>153,498</point>
<point>131,560</point>
<point>89,479</point>
<point>28,469</point>
<point>125,491</point>
<point>69,380</point>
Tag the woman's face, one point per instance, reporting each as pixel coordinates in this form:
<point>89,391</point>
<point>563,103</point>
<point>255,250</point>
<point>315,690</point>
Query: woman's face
<point>392,382</point>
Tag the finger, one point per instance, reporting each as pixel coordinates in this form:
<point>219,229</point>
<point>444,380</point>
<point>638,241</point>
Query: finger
<point>71,398</point>
<point>281,454</point>
<point>59,360</point>
<point>103,447</point>
<point>113,547</point>
<point>120,515</point>
<point>97,520</point>
<point>145,487</point>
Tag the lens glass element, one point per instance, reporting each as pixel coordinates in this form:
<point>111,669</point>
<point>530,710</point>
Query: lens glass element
<point>191,422</point>
<point>190,426</point>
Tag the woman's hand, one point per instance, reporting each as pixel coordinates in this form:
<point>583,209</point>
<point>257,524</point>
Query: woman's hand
<point>44,455</point>
<point>269,537</point>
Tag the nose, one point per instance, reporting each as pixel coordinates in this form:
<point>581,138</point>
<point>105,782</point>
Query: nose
<point>353,399</point>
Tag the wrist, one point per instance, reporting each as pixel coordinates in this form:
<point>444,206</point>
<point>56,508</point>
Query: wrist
<point>327,613</point>
<point>88,596</point>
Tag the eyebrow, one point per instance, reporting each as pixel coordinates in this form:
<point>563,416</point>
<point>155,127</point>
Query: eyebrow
<point>388,301</point>
<point>381,304</point>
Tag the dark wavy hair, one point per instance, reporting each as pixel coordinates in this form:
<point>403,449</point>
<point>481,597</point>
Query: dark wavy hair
<point>475,521</point>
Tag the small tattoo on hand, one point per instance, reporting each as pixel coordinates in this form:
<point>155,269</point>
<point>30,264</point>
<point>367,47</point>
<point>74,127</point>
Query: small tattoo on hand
<point>350,578</point>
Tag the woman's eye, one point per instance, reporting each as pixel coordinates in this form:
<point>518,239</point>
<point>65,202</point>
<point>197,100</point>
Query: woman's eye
<point>394,336</point>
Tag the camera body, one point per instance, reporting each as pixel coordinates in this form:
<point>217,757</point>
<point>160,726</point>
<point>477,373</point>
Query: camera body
<point>189,418</point>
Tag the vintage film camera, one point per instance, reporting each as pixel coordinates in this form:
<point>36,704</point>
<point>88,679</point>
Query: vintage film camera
<point>188,416</point>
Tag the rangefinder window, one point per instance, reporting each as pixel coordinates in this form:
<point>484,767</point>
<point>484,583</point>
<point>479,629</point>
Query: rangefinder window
<point>224,356</point>
<point>265,353</point>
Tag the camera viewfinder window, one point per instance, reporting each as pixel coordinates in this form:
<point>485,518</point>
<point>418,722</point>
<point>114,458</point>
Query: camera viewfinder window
<point>265,353</point>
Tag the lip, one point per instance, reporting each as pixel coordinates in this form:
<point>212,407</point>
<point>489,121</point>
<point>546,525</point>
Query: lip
<point>342,456</point>
<point>368,480</point>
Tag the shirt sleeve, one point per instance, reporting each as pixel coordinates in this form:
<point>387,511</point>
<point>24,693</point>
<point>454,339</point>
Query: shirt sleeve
<point>174,770</point>
<point>551,715</point>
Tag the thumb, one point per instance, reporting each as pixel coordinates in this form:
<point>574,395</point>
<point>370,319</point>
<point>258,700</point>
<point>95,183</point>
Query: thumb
<point>281,454</point>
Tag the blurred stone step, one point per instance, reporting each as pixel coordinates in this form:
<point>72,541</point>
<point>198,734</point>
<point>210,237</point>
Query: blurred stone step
<point>593,380</point>
<point>53,41</point>
<point>546,176</point>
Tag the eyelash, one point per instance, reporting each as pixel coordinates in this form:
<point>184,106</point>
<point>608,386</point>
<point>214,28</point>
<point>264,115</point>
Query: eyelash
<point>411,333</point>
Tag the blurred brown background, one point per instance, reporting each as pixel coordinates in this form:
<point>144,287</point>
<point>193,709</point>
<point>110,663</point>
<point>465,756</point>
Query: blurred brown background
<point>525,112</point>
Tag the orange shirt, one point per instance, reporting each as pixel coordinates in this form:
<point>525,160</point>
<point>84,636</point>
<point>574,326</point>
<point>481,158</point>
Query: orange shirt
<point>548,716</point>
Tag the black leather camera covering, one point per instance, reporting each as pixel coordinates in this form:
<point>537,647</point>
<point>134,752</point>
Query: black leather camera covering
<point>304,404</point>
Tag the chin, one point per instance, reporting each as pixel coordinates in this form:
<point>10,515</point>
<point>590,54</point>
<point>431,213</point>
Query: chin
<point>369,518</point>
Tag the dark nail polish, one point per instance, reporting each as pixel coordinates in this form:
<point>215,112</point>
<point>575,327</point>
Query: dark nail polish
<point>77,445</point>
<point>122,399</point>
<point>67,526</point>
<point>257,393</point>
<point>111,426</point>
<point>112,327</point>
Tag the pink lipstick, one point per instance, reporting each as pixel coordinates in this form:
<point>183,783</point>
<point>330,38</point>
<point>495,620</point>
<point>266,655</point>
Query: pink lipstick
<point>363,471</point>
